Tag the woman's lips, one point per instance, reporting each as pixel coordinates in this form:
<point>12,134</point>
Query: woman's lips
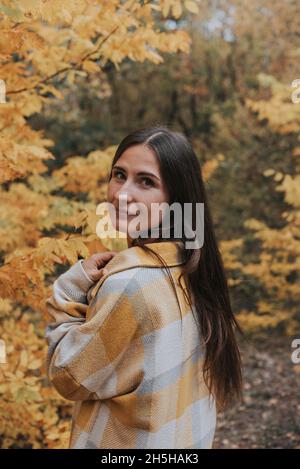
<point>123,214</point>
<point>130,212</point>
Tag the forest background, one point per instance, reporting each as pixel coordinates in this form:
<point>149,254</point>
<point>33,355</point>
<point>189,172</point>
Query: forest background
<point>75,78</point>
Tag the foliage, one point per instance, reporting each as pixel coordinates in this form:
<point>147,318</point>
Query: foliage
<point>81,75</point>
<point>48,217</point>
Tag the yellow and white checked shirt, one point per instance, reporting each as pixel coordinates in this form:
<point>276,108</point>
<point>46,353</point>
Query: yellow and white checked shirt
<point>121,351</point>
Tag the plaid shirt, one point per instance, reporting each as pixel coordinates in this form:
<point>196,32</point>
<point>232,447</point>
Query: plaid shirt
<point>121,351</point>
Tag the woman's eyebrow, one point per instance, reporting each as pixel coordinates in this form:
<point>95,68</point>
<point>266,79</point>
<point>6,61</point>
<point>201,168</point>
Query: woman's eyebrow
<point>141,173</point>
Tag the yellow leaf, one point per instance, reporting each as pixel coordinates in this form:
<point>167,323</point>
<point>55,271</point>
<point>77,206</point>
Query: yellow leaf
<point>35,364</point>
<point>177,10</point>
<point>278,176</point>
<point>166,7</point>
<point>269,172</point>
<point>90,66</point>
<point>23,358</point>
<point>191,6</point>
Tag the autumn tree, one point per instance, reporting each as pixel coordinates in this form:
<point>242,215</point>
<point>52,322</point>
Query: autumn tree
<point>48,217</point>
<point>278,263</point>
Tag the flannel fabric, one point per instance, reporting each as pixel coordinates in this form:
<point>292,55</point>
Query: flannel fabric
<point>126,350</point>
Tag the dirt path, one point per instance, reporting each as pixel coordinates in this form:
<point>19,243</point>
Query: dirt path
<point>269,416</point>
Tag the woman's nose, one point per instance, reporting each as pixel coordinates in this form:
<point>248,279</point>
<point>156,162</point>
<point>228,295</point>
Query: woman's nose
<point>124,197</point>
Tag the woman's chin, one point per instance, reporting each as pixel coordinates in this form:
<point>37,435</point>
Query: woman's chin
<point>126,225</point>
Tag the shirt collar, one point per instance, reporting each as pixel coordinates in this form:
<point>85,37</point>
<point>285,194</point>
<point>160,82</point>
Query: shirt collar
<point>172,253</point>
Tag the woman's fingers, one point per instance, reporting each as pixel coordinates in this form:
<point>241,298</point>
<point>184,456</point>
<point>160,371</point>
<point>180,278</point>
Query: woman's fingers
<point>94,265</point>
<point>102,258</point>
<point>99,274</point>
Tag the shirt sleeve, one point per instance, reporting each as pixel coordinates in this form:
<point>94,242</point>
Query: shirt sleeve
<point>88,353</point>
<point>84,272</point>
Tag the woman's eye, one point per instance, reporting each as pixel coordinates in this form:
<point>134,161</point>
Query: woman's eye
<point>116,173</point>
<point>148,182</point>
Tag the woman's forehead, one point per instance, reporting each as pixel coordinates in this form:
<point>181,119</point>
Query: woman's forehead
<point>138,160</point>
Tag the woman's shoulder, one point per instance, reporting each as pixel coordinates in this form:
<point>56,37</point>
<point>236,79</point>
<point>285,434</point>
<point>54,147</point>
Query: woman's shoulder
<point>130,280</point>
<point>134,268</point>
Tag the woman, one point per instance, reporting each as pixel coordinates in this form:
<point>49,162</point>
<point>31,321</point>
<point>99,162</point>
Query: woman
<point>146,346</point>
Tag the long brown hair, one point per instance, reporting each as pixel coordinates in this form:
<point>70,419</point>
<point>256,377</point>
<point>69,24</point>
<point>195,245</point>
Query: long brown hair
<point>203,271</point>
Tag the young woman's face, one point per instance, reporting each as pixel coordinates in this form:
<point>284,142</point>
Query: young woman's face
<point>136,179</point>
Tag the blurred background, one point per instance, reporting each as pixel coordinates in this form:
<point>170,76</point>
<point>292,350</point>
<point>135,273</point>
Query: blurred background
<point>75,78</point>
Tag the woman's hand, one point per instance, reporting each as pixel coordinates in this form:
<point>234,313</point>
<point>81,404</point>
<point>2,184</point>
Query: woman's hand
<point>94,265</point>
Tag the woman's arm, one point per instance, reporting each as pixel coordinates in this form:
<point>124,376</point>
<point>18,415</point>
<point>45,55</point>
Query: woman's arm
<point>85,356</point>
<point>67,307</point>
<point>69,297</point>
